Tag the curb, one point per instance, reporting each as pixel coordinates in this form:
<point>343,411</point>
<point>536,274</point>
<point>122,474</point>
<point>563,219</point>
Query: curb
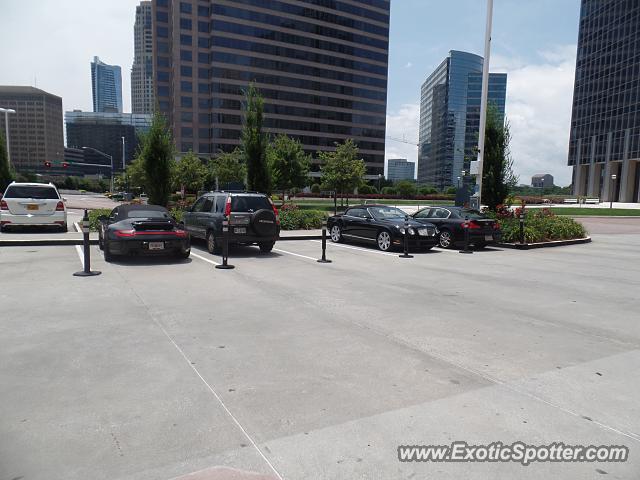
<point>531,246</point>
<point>45,242</point>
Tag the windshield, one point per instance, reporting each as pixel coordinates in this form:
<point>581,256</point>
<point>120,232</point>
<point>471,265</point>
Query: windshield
<point>387,213</point>
<point>147,214</point>
<point>472,214</point>
<point>249,203</point>
<point>32,191</point>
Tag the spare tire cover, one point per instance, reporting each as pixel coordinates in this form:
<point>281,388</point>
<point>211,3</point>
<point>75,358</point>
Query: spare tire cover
<point>264,223</point>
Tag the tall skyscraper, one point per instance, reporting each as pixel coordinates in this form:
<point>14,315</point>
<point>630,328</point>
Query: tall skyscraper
<point>605,122</point>
<point>142,100</point>
<point>35,130</point>
<point>400,169</point>
<point>320,66</point>
<point>106,86</point>
<point>450,117</point>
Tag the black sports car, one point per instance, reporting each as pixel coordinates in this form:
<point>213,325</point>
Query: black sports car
<point>381,225</point>
<point>141,229</point>
<point>450,221</point>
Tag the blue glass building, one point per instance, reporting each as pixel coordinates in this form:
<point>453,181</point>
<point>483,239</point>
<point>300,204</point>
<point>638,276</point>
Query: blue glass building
<point>106,87</point>
<point>450,117</point>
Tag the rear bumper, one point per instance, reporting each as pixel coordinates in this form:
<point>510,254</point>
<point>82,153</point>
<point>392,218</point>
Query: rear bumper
<point>484,238</point>
<point>249,237</point>
<point>141,247</point>
<point>10,219</point>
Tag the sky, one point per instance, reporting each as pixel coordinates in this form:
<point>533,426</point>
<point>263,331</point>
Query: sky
<point>50,44</point>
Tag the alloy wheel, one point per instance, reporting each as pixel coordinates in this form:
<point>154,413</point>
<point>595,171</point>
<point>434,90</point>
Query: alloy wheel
<point>384,241</point>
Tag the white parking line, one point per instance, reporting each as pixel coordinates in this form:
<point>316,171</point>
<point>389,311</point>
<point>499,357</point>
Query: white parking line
<point>77,225</point>
<point>357,248</point>
<point>80,254</point>
<point>294,254</point>
<point>203,258</point>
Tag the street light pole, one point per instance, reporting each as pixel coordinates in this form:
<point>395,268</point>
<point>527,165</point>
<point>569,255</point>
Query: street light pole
<point>6,112</point>
<point>110,157</point>
<point>124,163</point>
<point>483,100</point>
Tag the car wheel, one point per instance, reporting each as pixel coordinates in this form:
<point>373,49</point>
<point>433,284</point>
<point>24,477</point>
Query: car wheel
<point>384,240</point>
<point>184,254</point>
<point>108,256</point>
<point>213,246</point>
<point>445,239</point>
<point>266,247</point>
<point>336,234</point>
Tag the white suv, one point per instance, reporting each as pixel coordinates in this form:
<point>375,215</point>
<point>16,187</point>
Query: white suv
<point>32,204</point>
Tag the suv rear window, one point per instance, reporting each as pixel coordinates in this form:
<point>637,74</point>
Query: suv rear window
<point>249,203</point>
<point>31,191</point>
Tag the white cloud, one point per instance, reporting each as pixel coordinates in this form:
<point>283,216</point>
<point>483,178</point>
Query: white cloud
<point>403,125</point>
<point>408,65</point>
<point>539,97</point>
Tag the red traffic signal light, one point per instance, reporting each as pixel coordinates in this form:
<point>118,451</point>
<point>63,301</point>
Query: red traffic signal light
<point>47,164</point>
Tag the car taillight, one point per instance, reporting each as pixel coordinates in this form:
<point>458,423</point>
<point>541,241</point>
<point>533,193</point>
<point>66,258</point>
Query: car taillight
<point>180,233</point>
<point>227,207</point>
<point>125,233</point>
<point>3,205</point>
<point>60,207</point>
<point>471,225</point>
<point>275,212</point>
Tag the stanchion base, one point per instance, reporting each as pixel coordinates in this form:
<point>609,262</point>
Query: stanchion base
<point>225,267</point>
<point>405,255</point>
<point>92,273</point>
<point>324,260</point>
<point>465,251</point>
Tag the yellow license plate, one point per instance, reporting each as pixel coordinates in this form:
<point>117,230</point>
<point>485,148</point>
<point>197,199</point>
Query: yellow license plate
<point>32,207</point>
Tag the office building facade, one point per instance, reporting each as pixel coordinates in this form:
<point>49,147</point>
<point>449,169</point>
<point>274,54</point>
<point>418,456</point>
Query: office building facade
<point>35,130</point>
<point>542,180</point>
<point>604,143</point>
<point>450,117</point>
<point>320,66</point>
<point>104,132</point>
<point>142,99</point>
<point>106,87</point>
<point>400,169</point>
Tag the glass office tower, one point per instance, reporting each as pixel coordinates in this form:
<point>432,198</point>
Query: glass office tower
<point>605,122</point>
<point>320,66</point>
<point>450,117</point>
<point>106,87</point>
<point>142,100</point>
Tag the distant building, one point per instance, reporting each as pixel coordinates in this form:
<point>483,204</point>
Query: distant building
<point>450,117</point>
<point>605,122</point>
<point>542,180</point>
<point>35,130</point>
<point>321,67</point>
<point>104,132</point>
<point>400,169</point>
<point>106,87</point>
<point>81,163</point>
<point>142,99</point>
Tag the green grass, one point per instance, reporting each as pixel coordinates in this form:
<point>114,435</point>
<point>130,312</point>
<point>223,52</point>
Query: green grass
<point>595,212</point>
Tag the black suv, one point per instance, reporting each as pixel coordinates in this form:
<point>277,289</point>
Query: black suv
<point>253,219</point>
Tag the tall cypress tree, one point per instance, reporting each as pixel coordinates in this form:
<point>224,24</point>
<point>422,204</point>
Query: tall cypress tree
<point>254,142</point>
<point>157,156</point>
<point>498,176</point>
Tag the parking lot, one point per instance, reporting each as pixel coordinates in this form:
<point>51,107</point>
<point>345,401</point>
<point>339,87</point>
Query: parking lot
<point>287,368</point>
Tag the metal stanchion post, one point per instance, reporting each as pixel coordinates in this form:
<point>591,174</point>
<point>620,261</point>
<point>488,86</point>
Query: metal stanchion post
<point>465,225</point>
<point>225,246</point>
<point>87,272</point>
<point>324,243</point>
<point>405,254</point>
<point>522,227</point>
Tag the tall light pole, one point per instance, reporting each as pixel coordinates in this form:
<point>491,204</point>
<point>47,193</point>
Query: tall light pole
<point>104,155</point>
<point>483,99</point>
<point>6,112</point>
<point>124,163</point>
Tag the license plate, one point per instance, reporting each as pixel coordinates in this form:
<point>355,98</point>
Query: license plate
<point>156,245</point>
<point>32,207</point>
<point>488,238</point>
<point>240,230</point>
<point>423,232</point>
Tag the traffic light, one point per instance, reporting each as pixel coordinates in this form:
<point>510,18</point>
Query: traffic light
<point>47,164</point>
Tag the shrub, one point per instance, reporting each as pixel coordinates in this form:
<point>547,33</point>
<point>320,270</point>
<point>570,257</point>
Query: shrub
<point>177,214</point>
<point>541,226</point>
<point>93,217</point>
<point>390,191</point>
<point>293,217</point>
<point>450,191</point>
<point>426,190</point>
<point>366,190</point>
<point>315,188</point>
<point>406,188</point>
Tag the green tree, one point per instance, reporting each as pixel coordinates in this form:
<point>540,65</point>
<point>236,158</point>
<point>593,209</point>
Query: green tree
<point>136,176</point>
<point>190,172</point>
<point>406,188</point>
<point>498,177</point>
<point>288,164</point>
<point>254,142</point>
<point>342,171</point>
<point>6,172</point>
<point>157,157</point>
<point>229,168</point>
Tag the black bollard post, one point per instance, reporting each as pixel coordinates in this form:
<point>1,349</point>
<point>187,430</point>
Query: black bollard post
<point>522,227</point>
<point>405,254</point>
<point>225,246</point>
<point>324,243</point>
<point>465,225</point>
<point>87,272</point>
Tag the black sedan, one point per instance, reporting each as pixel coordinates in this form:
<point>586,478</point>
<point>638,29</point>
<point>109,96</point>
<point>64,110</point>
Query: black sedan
<point>452,222</point>
<point>141,229</point>
<point>381,225</point>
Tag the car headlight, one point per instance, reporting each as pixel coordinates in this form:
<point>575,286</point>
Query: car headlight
<point>437,231</point>
<point>411,231</point>
<point>401,230</point>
